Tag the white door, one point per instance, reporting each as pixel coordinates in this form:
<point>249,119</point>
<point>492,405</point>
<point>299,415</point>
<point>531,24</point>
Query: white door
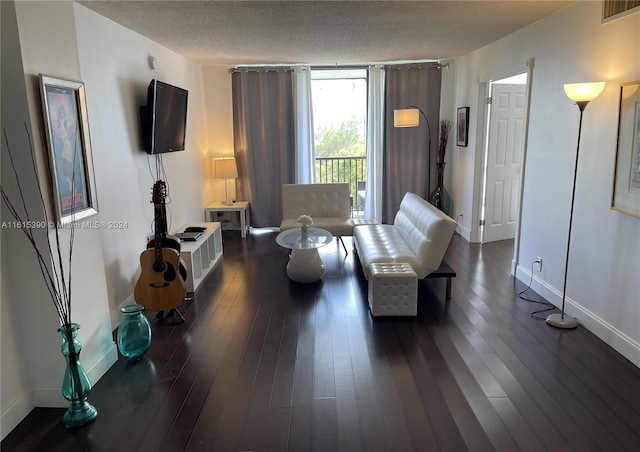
<point>506,134</point>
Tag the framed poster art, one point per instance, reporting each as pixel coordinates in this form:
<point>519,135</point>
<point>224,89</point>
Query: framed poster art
<point>70,159</point>
<point>462,129</point>
<point>625,196</point>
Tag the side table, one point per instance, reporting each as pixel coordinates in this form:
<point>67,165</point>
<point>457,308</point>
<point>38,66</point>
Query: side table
<point>242,207</point>
<point>305,265</point>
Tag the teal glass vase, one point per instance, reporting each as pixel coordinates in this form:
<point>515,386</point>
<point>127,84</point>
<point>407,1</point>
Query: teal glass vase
<point>440,196</point>
<point>134,332</point>
<point>75,385</point>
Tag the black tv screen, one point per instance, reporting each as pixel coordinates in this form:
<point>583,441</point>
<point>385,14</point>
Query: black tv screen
<point>164,118</point>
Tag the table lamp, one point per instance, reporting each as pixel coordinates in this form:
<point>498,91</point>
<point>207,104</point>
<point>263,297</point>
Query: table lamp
<point>225,168</point>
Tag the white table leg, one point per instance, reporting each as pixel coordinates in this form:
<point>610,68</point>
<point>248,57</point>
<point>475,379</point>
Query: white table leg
<point>243,224</point>
<point>248,215</point>
<point>305,266</point>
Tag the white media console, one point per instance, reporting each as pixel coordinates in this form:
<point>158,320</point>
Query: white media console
<point>202,255</point>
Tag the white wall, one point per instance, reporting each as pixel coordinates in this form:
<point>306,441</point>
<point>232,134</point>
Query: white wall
<point>448,111</point>
<point>28,307</point>
<point>570,46</point>
<point>219,119</point>
<point>25,303</point>
<point>64,39</point>
<point>115,70</point>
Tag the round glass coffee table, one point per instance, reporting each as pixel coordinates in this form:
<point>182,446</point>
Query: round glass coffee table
<point>305,265</point>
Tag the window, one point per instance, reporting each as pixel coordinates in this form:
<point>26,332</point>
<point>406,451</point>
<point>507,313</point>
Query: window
<point>340,125</point>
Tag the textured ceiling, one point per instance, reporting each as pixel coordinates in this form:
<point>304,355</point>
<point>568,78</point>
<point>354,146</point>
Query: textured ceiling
<point>323,32</point>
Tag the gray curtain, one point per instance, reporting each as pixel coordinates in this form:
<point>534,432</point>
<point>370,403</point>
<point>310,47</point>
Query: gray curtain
<point>406,162</point>
<point>264,140</point>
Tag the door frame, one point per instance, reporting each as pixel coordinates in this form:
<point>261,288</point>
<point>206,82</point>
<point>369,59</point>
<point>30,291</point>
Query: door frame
<point>482,125</point>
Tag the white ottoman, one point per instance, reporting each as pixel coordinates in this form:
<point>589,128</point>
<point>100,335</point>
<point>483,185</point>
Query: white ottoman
<point>393,289</point>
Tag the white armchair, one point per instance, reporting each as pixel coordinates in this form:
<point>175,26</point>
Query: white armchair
<point>328,204</point>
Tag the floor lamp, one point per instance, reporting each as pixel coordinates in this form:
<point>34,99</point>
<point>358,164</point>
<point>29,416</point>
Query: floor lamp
<point>410,117</point>
<point>225,168</point>
<point>581,94</point>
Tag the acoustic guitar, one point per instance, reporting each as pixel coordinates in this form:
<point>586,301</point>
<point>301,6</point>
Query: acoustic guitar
<point>168,241</point>
<point>161,286</point>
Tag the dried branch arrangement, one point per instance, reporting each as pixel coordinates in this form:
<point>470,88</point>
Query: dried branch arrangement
<point>445,131</point>
<point>57,276</point>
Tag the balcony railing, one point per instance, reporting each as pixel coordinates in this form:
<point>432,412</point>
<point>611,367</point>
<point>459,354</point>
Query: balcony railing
<point>352,170</point>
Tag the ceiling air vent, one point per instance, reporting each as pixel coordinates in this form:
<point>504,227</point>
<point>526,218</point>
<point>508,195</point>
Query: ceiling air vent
<point>612,9</point>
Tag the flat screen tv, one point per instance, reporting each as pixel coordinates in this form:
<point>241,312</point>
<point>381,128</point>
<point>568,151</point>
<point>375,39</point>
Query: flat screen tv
<point>164,118</point>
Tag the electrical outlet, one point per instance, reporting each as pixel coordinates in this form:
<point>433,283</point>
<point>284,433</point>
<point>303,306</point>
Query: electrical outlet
<point>539,263</point>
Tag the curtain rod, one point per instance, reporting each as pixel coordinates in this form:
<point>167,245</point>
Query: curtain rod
<point>286,68</point>
<point>396,66</point>
<point>341,67</point>
<point>418,65</point>
<point>260,68</point>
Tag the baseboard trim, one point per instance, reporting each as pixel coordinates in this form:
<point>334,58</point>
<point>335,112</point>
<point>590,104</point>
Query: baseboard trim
<point>103,363</point>
<point>613,337</point>
<point>116,314</point>
<point>464,232</point>
<point>15,413</point>
<point>52,397</point>
<point>49,397</point>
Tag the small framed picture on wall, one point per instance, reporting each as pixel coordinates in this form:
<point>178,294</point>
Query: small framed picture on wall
<point>462,129</point>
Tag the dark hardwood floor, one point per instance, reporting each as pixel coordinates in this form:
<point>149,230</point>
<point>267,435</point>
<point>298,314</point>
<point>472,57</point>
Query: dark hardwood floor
<point>262,363</point>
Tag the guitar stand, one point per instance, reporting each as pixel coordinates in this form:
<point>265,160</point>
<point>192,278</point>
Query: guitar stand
<point>170,314</point>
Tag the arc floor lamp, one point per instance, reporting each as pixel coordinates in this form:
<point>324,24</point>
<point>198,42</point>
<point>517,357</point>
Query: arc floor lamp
<point>581,94</point>
<point>410,117</point>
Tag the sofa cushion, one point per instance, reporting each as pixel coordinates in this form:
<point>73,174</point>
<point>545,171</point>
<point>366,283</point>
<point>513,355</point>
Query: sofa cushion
<point>426,230</point>
<point>337,226</point>
<point>382,243</point>
<point>316,200</point>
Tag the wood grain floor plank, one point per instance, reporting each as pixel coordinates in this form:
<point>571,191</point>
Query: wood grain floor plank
<point>323,377</point>
<point>439,414</point>
<point>372,426</point>
<point>479,403</point>
<point>301,425</point>
<point>461,413</point>
<point>324,424</point>
<point>276,438</point>
<point>347,416</point>
<point>254,428</point>
<point>518,427</point>
<point>282,391</point>
<point>178,436</point>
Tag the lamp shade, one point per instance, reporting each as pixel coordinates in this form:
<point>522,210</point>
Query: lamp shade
<point>225,168</point>
<point>406,117</point>
<point>583,92</point>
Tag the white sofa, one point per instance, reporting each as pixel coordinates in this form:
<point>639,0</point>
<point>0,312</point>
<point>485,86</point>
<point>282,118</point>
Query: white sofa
<point>329,205</point>
<point>419,236</point>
